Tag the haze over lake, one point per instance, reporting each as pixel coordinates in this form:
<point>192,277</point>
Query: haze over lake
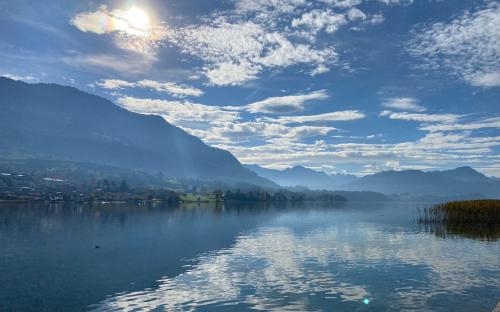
<point>240,257</point>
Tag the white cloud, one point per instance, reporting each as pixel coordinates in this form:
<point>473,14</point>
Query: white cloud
<point>223,41</point>
<point>229,51</point>
<point>376,19</point>
<point>492,169</point>
<point>404,103</point>
<point>444,118</point>
<point>243,131</point>
<point>124,64</point>
<point>234,53</point>
<point>439,138</point>
<point>287,54</point>
<point>114,84</point>
<point>99,22</point>
<point>318,20</point>
<point>356,14</point>
<point>22,78</point>
<point>275,142</point>
<point>343,3</point>
<point>310,23</point>
<point>433,150</point>
<point>285,140</point>
<point>468,45</point>
<point>283,6</point>
<point>332,116</point>
<point>396,2</point>
<point>476,125</point>
<point>237,45</point>
<point>177,90</point>
<point>485,79</point>
<point>232,74</point>
<point>285,104</point>
<point>223,124</point>
<point>456,143</point>
<point>321,69</point>
<point>180,113</point>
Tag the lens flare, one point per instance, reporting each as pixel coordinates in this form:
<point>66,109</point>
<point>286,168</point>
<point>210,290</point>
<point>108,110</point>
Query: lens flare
<point>132,27</point>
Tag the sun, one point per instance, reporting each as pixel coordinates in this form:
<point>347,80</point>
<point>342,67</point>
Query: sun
<point>136,18</point>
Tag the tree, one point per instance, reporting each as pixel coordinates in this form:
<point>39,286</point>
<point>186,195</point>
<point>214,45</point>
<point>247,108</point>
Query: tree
<point>218,195</point>
<point>124,188</point>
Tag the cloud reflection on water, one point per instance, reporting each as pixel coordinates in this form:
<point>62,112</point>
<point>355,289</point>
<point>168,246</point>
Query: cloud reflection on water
<point>276,269</point>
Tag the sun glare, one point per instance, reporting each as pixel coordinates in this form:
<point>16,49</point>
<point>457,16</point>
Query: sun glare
<point>137,19</point>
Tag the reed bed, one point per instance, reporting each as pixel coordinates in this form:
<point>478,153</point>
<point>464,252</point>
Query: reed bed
<point>471,218</point>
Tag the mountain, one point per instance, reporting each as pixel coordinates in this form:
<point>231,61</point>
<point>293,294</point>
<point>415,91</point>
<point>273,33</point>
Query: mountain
<point>459,181</point>
<point>301,176</point>
<point>465,174</point>
<point>53,122</point>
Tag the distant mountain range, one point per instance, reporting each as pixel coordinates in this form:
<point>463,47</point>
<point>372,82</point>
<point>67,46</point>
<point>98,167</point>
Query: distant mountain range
<point>456,182</point>
<point>459,181</point>
<point>53,122</point>
<point>301,176</point>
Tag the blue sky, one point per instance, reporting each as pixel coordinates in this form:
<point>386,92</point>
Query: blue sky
<point>353,86</point>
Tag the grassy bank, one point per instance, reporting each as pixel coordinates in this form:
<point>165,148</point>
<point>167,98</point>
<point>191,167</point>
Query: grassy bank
<point>471,218</point>
<point>199,198</point>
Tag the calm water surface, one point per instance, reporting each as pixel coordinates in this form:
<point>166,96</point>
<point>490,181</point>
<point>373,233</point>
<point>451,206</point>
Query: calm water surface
<point>355,257</point>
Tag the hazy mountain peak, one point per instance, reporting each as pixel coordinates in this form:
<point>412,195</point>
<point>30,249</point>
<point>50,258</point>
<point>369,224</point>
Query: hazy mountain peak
<point>302,176</point>
<point>300,168</point>
<point>464,169</point>
<point>466,173</point>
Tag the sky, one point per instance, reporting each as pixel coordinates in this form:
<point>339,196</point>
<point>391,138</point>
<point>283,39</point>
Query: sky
<point>343,86</point>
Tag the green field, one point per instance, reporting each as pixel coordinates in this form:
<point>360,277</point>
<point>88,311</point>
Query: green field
<point>199,198</point>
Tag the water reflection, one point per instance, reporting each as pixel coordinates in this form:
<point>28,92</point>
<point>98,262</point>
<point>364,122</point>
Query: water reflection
<point>277,269</point>
<point>48,257</point>
<point>241,257</point>
<point>476,231</point>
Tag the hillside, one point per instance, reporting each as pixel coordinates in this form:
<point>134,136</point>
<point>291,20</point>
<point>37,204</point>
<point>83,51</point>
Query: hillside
<point>48,121</point>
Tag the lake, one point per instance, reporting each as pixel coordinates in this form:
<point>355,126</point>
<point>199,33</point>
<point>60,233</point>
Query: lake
<point>308,257</point>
